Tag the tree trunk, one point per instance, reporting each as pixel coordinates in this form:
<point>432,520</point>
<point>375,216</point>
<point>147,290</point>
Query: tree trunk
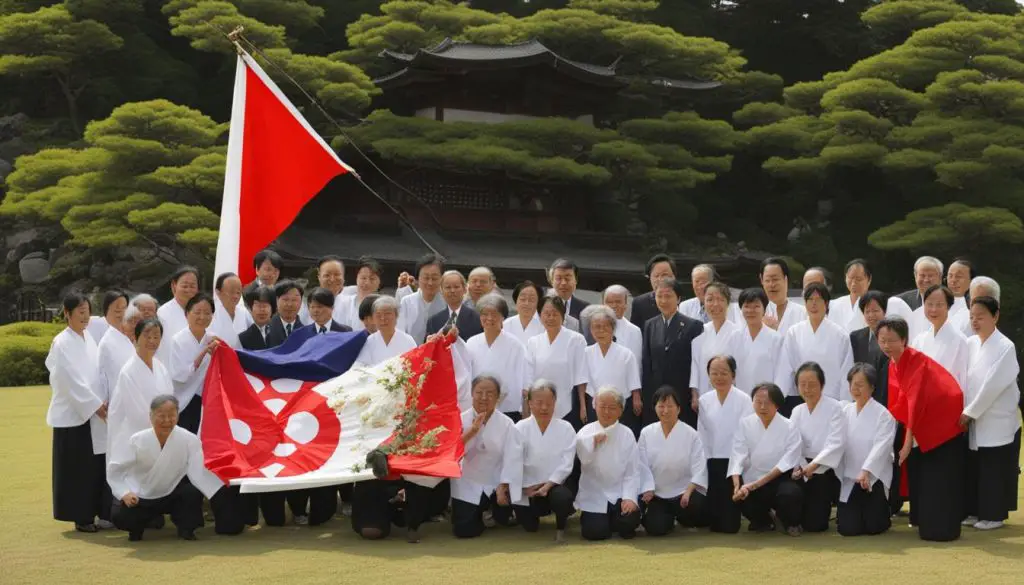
<point>72,98</point>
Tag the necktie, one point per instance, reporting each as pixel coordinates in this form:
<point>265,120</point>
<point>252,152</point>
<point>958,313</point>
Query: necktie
<point>288,330</point>
<point>323,330</point>
<point>266,331</point>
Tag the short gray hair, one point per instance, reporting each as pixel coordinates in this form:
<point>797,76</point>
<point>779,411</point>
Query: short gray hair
<point>539,385</point>
<point>132,312</point>
<point>385,302</point>
<point>616,289</point>
<point>454,273</point>
<point>492,301</point>
<point>609,391</point>
<point>935,262</point>
<point>161,400</point>
<point>144,298</point>
<point>988,284</point>
<point>597,312</point>
<point>482,270</point>
<point>709,269</point>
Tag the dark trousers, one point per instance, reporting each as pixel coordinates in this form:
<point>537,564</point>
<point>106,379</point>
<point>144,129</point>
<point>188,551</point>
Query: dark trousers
<point>895,498</point>
<point>595,526</point>
<point>80,490</point>
<point>468,518</point>
<point>937,490</point>
<point>783,495</point>
<point>184,504</point>
<point>191,415</point>
<point>559,502</point>
<point>791,403</point>
<point>817,501</point>
<point>723,514</point>
<point>661,514</point>
<point>864,512</point>
<point>229,512</point>
<point>318,504</point>
<point>991,488</point>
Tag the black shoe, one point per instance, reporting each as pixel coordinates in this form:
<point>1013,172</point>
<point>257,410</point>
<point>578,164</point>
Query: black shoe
<point>187,534</point>
<point>135,536</point>
<point>90,527</point>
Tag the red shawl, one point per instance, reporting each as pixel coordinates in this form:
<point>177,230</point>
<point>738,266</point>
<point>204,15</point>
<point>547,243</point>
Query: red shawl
<point>925,398</point>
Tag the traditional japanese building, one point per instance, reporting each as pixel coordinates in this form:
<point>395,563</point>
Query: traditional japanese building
<point>516,227</point>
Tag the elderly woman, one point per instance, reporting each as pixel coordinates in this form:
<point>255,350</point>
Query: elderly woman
<point>500,354</point>
<point>388,341</point>
<point>559,355</point>
<point>757,346</point>
<point>990,413</point>
<point>172,314</point>
<point>114,304</point>
<point>160,471</point>
<point>718,418</point>
<point>190,354</point>
<point>526,322</point>
<point>818,340</point>
<point>549,452</point>
<point>822,427</point>
<point>719,337</point>
<point>845,310</point>
<point>941,341</point>
<point>492,467</point>
<point>616,297</point>
<point>764,453</point>
<point>146,305</point>
<point>675,471</point>
<point>611,476</point>
<point>78,483</point>
<point>866,470</point>
<point>609,364</point>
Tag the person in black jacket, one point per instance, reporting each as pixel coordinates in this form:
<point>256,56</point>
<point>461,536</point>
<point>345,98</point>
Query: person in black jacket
<point>286,321</point>
<point>659,267</point>
<point>262,304</point>
<point>927,271</point>
<point>467,320</point>
<point>666,353</point>
<point>321,311</point>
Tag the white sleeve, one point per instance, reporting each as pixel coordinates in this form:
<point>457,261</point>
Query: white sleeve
<point>70,377</point>
<point>791,456</point>
<point>647,474</point>
<point>117,470</point>
<point>881,457</point>
<point>202,478</point>
<point>578,361</point>
<point>960,365</point>
<point>832,453</point>
<point>698,465</point>
<point>740,452</point>
<point>632,374</point>
<point>512,463</point>
<point>634,475</point>
<point>998,378</point>
<point>694,353</point>
<point>566,462</point>
<point>181,364</point>
<point>585,449</point>
<point>784,368</point>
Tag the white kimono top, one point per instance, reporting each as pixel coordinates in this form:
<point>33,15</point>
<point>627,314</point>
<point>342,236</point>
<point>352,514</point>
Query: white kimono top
<point>757,358</point>
<point>151,472</point>
<point>73,363</point>
<point>514,327</point>
<point>617,368</point>
<point>188,380</point>
<point>717,422</point>
<point>821,433</point>
<point>946,346</point>
<point>172,317</point>
<point>414,312</point>
<point>757,450</point>
<point>691,308</point>
<point>136,388</point>
<point>631,337</point>
<point>829,346</point>
<point>609,472</point>
<point>376,351</point>
<point>493,457</point>
<point>845,311</point>
<point>98,327</point>
<point>226,327</point>
<point>961,321</point>
<point>991,395</point>
<point>505,359</point>
<point>917,323</point>
<point>866,446</point>
<point>115,349</point>
<point>671,463</point>
<point>795,313</point>
<point>562,363</point>
<point>706,346</point>
<point>547,456</point>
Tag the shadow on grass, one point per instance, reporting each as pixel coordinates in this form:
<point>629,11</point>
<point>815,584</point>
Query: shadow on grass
<point>337,536</point>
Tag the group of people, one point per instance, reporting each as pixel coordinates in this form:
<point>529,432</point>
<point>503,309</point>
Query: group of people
<point>649,411</point>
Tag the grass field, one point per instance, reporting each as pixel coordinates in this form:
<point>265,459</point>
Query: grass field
<point>35,549</point>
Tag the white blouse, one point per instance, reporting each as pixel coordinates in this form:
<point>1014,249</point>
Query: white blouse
<point>795,313</point>
<point>617,369</point>
<point>547,456</point>
<point>757,450</point>
<point>172,318</point>
<point>375,350</point>
<point>226,327</point>
<point>493,457</point>
<point>75,382</point>
<point>188,380</point>
<point>136,387</point>
<point>757,358</point>
<point>829,347</point>
<point>629,336</point>
<point>706,346</point>
<point>505,359</point>
<point>562,362</point>
<point>514,327</point>
<point>991,396</point>
<point>946,346</point>
<point>717,422</point>
<point>845,311</point>
<point>98,327</point>
<point>152,472</point>
<point>866,446</point>
<point>671,463</point>
<point>610,471</point>
<point>821,433</point>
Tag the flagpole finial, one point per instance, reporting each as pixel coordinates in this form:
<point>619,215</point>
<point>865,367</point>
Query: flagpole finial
<point>234,35</point>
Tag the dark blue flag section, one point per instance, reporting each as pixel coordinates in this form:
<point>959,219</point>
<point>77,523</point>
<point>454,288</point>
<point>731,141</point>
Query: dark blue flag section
<point>306,356</point>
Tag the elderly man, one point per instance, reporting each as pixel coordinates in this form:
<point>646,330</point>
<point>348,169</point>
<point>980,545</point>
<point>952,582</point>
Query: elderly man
<point>981,286</point>
<point>958,279</point>
<point>817,274</point>
<point>780,314</point>
<point>629,335</point>
<point>417,307</point>
<point>481,282</point>
<point>927,271</point>
<point>659,267</point>
<point>459,309</point>
<point>146,305</point>
<point>700,277</point>
<point>563,277</point>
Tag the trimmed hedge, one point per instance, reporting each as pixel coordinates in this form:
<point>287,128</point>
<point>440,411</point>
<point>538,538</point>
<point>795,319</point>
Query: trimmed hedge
<point>23,350</point>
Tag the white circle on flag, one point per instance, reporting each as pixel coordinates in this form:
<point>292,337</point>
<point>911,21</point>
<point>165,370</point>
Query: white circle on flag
<point>286,385</point>
<point>240,431</point>
<point>302,427</point>
<point>275,405</point>
<point>285,449</point>
<point>257,384</point>
<point>272,470</point>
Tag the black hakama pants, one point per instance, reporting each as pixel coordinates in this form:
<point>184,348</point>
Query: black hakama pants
<point>468,518</point>
<point>819,492</point>
<point>790,403</point>
<point>80,490</point>
<point>559,502</point>
<point>896,499</point>
<point>937,490</point>
<point>723,514</point>
<point>190,416</point>
<point>992,481</point>
<point>596,526</point>
<point>783,495</point>
<point>661,514</point>
<point>375,508</point>
<point>864,512</point>
<point>184,504</point>
<point>229,510</point>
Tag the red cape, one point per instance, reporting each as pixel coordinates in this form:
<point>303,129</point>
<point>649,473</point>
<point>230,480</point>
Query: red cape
<point>925,398</point>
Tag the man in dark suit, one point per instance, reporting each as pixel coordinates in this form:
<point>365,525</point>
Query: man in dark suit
<point>659,267</point>
<point>262,304</point>
<point>927,271</point>
<point>268,265</point>
<point>563,277</point>
<point>467,320</point>
<point>286,321</point>
<point>321,310</point>
<point>666,353</point>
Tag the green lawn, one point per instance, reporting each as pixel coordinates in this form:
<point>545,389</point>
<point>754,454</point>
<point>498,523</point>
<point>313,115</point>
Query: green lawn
<point>34,549</point>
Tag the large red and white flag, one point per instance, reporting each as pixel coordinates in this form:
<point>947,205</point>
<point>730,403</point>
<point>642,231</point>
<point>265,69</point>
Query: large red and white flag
<point>276,164</point>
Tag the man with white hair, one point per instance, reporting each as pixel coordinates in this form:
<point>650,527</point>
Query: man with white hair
<point>981,286</point>
<point>146,305</point>
<point>927,271</point>
<point>481,282</point>
<point>627,334</point>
